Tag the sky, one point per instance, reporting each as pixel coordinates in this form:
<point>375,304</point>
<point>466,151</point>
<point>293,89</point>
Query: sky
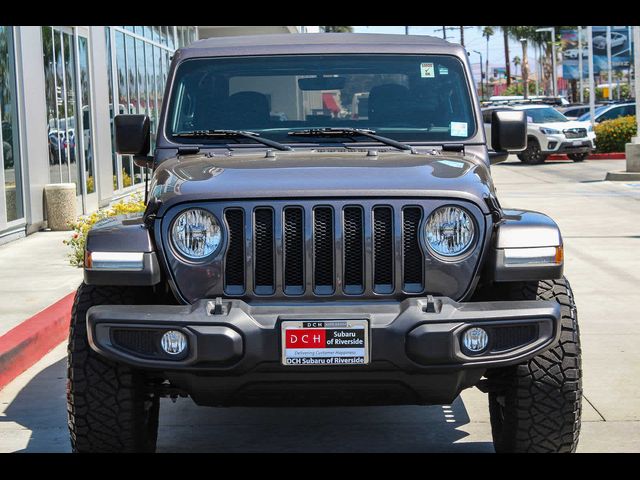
<point>473,40</point>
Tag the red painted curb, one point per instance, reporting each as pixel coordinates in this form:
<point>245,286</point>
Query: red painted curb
<point>593,156</point>
<point>27,343</point>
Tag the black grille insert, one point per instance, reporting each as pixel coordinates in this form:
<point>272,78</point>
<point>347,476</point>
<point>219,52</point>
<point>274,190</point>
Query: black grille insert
<point>141,342</point>
<point>512,336</point>
<point>264,274</point>
<point>413,261</point>
<point>293,250</point>
<point>323,246</point>
<point>383,249</point>
<point>235,259</point>
<point>353,250</point>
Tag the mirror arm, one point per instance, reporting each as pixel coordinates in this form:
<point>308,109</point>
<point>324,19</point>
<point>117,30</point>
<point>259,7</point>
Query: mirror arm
<point>143,161</point>
<point>497,157</point>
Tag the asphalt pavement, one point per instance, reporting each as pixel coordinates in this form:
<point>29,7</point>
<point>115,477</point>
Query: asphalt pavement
<point>599,222</point>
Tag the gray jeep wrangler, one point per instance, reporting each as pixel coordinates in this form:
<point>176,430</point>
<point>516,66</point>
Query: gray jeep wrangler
<point>322,229</point>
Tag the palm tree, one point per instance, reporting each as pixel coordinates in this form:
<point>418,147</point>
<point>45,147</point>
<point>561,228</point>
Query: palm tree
<point>487,32</point>
<point>507,63</point>
<point>516,62</point>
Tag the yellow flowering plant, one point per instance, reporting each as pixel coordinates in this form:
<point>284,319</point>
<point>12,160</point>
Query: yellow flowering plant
<point>134,204</point>
<point>613,135</point>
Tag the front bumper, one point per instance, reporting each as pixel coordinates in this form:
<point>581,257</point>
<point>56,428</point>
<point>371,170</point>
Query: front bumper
<point>561,144</point>
<point>234,354</point>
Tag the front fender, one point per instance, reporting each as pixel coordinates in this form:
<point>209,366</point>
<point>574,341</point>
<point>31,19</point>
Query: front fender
<point>120,251</point>
<point>528,246</point>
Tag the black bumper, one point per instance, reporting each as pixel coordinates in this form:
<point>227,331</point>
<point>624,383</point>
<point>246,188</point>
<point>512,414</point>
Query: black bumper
<point>234,355</point>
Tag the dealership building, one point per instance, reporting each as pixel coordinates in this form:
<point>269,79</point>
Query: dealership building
<point>60,87</point>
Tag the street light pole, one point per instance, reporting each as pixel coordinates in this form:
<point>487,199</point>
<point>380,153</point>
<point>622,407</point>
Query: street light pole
<point>580,63</point>
<point>481,74</point>
<point>406,30</point>
<point>610,89</point>
<point>636,69</point>
<point>592,90</point>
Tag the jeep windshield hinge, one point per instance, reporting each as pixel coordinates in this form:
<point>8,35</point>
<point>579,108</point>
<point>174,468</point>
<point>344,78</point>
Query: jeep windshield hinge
<point>453,147</point>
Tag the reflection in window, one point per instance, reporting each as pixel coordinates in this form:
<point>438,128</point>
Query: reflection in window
<point>10,154</point>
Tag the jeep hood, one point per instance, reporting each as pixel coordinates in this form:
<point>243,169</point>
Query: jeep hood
<point>341,174</point>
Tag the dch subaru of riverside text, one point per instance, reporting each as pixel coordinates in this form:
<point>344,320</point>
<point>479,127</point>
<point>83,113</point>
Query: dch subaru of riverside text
<point>322,229</point>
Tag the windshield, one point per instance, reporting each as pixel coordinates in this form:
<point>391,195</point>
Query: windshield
<point>419,98</point>
<point>587,116</point>
<point>544,115</point>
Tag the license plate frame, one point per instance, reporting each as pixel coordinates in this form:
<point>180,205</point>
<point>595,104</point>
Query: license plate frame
<point>328,343</point>
<point>577,143</point>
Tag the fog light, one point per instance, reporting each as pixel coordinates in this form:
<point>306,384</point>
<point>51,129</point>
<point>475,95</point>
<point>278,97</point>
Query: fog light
<point>475,339</point>
<point>174,342</point>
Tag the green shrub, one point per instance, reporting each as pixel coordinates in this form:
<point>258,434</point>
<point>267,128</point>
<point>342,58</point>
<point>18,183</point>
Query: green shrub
<point>613,135</point>
<point>81,227</point>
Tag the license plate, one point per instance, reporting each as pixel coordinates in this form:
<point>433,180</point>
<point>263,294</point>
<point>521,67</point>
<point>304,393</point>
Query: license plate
<point>577,143</point>
<point>324,342</point>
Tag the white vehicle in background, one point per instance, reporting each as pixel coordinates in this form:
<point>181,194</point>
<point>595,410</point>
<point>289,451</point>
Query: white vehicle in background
<point>573,53</point>
<point>617,40</point>
<point>548,132</point>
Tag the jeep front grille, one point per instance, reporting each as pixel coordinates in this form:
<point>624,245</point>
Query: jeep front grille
<point>324,249</point>
<point>575,132</point>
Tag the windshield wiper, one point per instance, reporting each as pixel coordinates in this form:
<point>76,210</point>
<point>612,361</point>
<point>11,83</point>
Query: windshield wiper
<point>349,132</point>
<point>232,134</point>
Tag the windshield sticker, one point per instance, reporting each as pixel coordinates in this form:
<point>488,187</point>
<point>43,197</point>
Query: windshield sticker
<point>459,129</point>
<point>443,71</point>
<point>529,119</point>
<point>427,71</point>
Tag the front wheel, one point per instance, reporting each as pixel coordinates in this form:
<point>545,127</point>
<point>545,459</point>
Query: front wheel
<point>577,157</point>
<point>536,405</point>
<point>110,408</point>
<point>533,154</point>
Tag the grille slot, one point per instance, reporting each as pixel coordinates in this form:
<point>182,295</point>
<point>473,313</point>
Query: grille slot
<point>264,273</point>
<point>512,336</point>
<point>143,342</point>
<point>383,250</point>
<point>353,260</point>
<point>235,259</point>
<point>293,250</point>
<point>413,261</point>
<point>323,246</point>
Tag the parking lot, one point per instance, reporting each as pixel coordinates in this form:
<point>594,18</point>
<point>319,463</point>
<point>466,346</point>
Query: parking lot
<point>600,224</point>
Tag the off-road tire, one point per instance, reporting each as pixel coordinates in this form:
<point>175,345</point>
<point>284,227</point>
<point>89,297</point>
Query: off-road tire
<point>108,406</point>
<point>532,155</point>
<point>538,406</point>
<point>577,157</point>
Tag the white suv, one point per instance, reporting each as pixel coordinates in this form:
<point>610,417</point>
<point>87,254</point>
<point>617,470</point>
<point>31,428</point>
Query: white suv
<point>548,132</point>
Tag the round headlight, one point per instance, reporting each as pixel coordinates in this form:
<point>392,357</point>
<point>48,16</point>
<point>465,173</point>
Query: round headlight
<point>196,233</point>
<point>449,231</point>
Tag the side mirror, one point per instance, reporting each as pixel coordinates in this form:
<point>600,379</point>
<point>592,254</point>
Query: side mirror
<point>133,136</point>
<point>508,131</point>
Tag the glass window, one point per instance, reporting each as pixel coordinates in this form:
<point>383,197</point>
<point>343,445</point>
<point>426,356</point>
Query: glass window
<point>143,97</point>
<point>52,98</point>
<point>70,123</point>
<point>544,115</point>
<point>112,106</point>
<point>9,136</point>
<point>148,32</point>
<point>132,106</point>
<point>406,97</point>
<point>171,37</point>
<point>85,114</point>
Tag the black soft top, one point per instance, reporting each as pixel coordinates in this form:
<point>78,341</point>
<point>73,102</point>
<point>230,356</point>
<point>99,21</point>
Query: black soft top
<point>318,43</point>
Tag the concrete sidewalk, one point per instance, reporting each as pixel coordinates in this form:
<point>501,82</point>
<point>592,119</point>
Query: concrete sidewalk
<point>35,299</point>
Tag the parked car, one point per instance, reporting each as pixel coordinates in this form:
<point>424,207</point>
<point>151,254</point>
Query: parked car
<point>617,40</point>
<point>323,260</point>
<point>572,53</point>
<point>610,112</point>
<point>549,132</point>
<point>572,112</point>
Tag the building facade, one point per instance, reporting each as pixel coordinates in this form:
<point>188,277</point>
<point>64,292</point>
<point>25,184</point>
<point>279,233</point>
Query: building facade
<point>60,87</point>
